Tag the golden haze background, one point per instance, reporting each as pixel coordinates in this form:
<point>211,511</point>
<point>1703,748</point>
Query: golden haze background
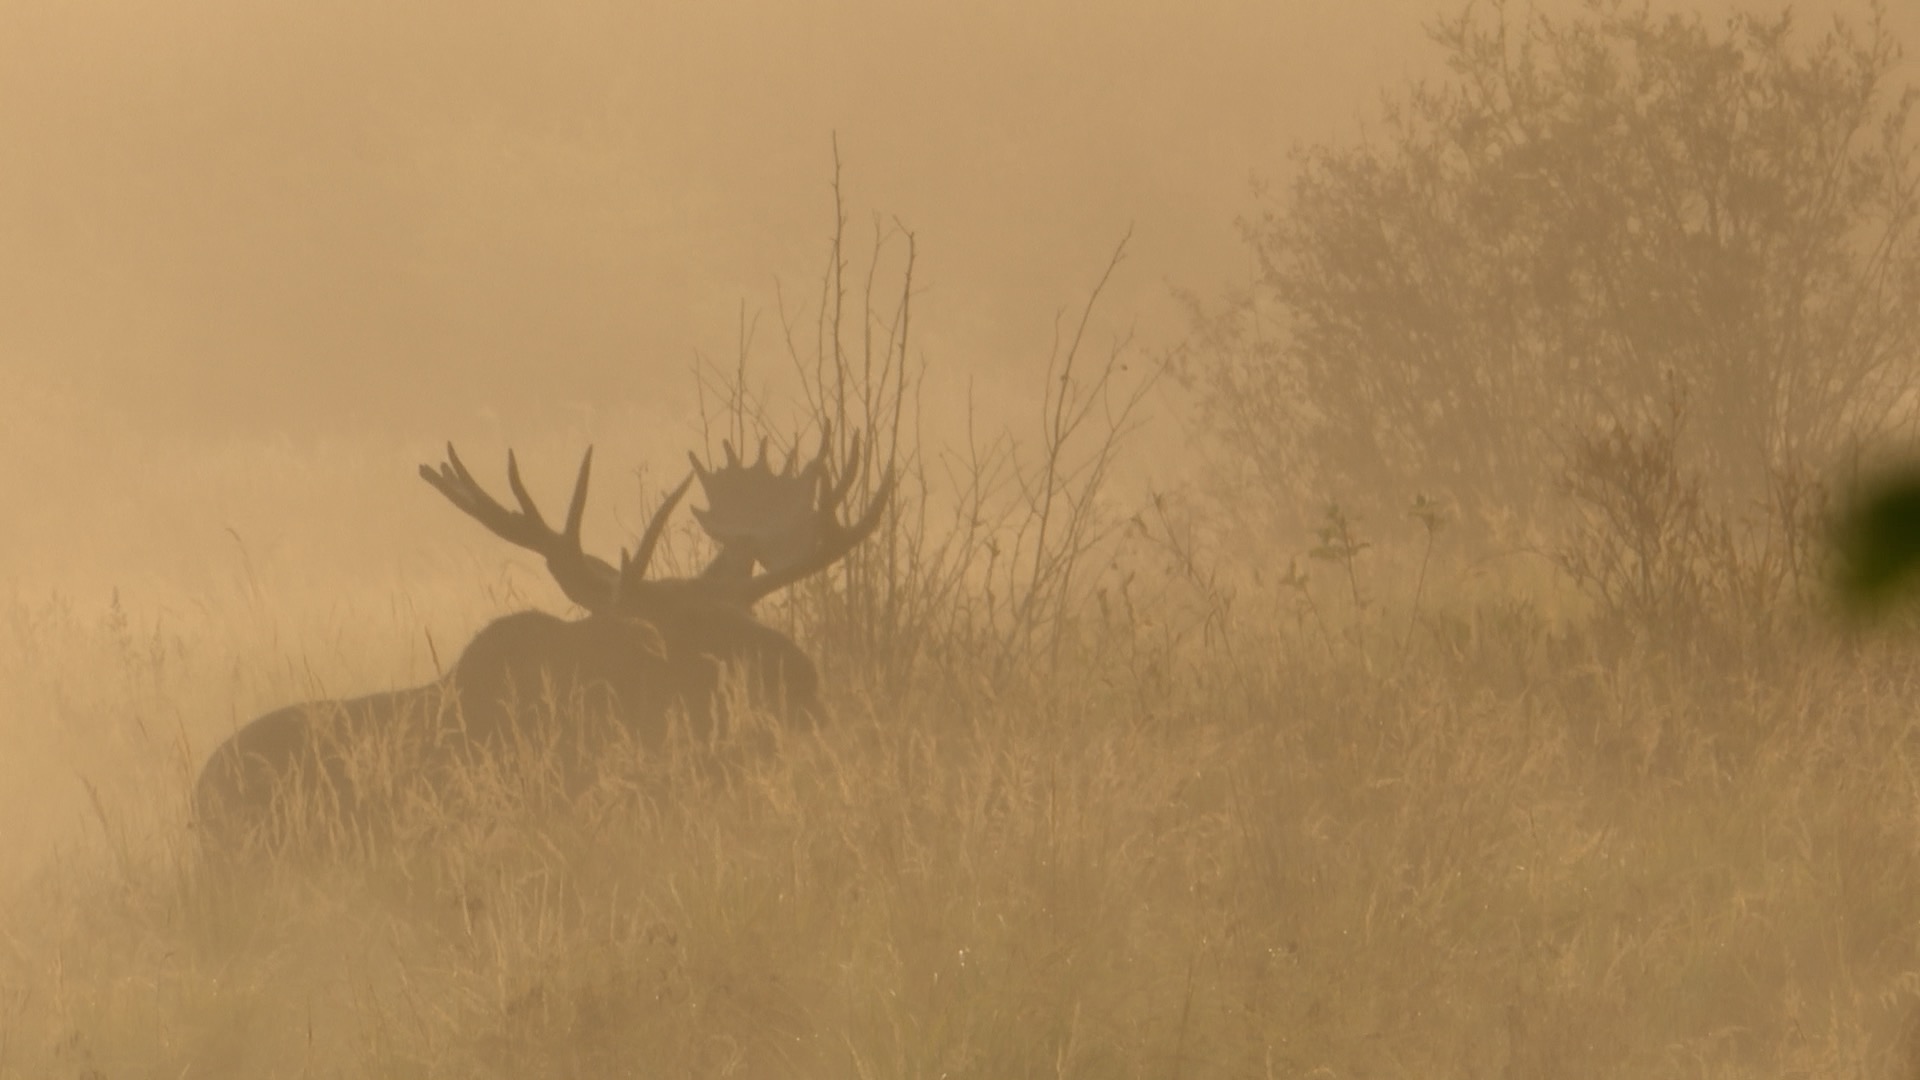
<point>260,230</point>
<point>259,261</point>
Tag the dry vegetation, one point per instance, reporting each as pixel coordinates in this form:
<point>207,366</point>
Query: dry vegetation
<point>1094,803</point>
<point>1099,798</point>
<point>1211,842</point>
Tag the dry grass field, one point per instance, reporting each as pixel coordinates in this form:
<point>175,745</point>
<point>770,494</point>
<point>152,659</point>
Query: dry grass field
<point>1208,836</point>
<point>1109,785</point>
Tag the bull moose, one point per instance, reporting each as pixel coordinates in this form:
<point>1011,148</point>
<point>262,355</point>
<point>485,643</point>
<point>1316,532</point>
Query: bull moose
<point>651,655</point>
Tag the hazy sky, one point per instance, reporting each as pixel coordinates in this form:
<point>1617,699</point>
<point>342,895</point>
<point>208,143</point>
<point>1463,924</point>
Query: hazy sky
<point>227,214</point>
<point>232,214</point>
<point>229,220</point>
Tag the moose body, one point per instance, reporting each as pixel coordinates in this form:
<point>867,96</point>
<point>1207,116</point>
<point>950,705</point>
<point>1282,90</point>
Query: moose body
<point>651,657</point>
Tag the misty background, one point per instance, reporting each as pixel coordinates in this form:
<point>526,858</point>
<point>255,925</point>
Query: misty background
<point>1238,757</point>
<point>247,250</point>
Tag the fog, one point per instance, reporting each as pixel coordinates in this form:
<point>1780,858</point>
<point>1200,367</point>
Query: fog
<point>242,226</point>
<point>258,262</point>
<point>242,218</point>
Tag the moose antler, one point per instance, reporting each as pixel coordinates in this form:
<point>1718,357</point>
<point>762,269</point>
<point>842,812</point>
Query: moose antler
<point>835,540</point>
<point>787,521</point>
<point>757,514</point>
<point>587,580</point>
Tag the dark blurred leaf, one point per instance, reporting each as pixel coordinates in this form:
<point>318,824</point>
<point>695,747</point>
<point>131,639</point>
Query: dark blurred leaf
<point>1879,541</point>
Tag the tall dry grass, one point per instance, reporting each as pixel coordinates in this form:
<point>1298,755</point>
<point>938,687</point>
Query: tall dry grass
<point>1211,838</point>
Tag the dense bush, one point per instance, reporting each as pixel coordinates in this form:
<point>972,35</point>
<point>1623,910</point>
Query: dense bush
<point>1589,221</point>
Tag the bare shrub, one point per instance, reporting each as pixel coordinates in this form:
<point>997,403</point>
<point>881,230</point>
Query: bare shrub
<point>986,559</point>
<point>1654,551</point>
